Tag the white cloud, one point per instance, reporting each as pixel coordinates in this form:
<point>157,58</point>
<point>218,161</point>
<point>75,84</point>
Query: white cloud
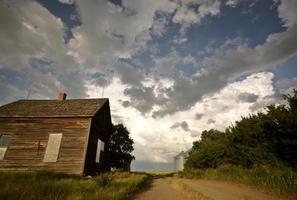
<point>232,3</point>
<point>119,31</point>
<point>192,12</point>
<point>226,66</point>
<point>159,26</point>
<point>159,140</point>
<point>67,1</point>
<point>31,31</point>
<point>180,40</point>
<point>108,33</point>
<point>287,12</point>
<point>154,141</point>
<point>223,107</point>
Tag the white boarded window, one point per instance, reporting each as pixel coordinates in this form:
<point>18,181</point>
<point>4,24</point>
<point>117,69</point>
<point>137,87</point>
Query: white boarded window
<point>53,147</point>
<point>4,142</point>
<point>100,147</point>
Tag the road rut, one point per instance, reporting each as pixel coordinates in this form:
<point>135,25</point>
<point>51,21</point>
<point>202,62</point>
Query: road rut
<point>160,189</point>
<point>189,189</point>
<point>220,190</point>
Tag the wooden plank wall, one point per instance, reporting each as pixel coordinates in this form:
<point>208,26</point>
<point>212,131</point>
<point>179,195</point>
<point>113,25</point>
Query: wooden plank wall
<point>29,140</point>
<point>100,129</point>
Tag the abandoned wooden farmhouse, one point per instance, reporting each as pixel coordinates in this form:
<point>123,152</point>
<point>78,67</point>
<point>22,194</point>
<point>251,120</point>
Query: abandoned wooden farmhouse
<point>68,136</point>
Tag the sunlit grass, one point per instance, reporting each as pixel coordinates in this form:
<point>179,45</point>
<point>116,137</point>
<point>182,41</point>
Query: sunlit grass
<point>42,185</point>
<point>160,173</point>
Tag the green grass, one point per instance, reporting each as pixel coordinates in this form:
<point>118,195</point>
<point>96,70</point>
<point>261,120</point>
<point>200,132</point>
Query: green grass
<point>160,174</point>
<point>283,180</point>
<point>49,186</point>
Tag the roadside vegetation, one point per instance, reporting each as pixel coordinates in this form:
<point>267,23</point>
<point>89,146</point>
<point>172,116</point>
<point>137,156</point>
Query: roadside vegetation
<point>281,180</point>
<point>49,186</point>
<point>259,149</point>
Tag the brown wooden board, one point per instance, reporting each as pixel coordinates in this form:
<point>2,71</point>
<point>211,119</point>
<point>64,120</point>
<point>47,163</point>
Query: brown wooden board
<point>29,139</point>
<point>101,128</point>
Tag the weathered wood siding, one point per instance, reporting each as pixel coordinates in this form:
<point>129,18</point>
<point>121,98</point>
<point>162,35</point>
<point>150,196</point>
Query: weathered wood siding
<point>29,140</point>
<point>101,128</point>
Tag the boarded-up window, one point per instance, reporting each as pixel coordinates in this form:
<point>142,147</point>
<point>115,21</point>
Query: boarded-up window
<point>53,147</point>
<point>4,142</point>
<point>100,147</point>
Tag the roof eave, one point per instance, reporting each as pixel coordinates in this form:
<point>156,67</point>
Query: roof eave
<point>53,116</point>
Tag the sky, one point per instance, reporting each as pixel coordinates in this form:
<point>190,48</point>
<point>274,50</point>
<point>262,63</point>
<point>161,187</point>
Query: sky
<point>170,68</point>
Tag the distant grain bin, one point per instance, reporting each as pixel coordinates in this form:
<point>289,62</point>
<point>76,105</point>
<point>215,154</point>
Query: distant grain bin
<point>68,136</point>
<point>180,160</point>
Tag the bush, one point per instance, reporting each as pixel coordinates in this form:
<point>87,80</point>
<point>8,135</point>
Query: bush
<point>260,139</point>
<point>282,179</point>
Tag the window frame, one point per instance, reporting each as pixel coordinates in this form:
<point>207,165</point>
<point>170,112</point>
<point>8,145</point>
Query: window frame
<point>99,148</point>
<point>3,149</point>
<point>51,154</point>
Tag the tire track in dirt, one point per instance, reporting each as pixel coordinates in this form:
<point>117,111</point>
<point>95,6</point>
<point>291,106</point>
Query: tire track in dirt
<point>188,189</point>
<point>160,189</point>
<point>221,190</point>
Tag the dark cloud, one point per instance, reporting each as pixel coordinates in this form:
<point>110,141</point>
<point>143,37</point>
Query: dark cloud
<point>199,116</point>
<point>141,98</point>
<point>195,134</point>
<point>117,118</point>
<point>186,92</point>
<point>102,79</point>
<point>211,121</point>
<point>285,85</point>
<point>248,97</point>
<point>130,75</point>
<point>184,125</point>
<point>126,103</point>
<point>265,101</point>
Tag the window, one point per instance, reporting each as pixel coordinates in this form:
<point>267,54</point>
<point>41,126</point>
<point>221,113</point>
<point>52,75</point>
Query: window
<point>53,147</point>
<point>100,147</point>
<point>4,142</point>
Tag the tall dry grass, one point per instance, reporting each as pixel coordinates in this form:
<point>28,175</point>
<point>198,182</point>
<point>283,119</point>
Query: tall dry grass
<point>50,186</point>
<point>281,179</point>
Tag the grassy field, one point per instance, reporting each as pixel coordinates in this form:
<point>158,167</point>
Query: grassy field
<point>283,180</point>
<point>160,174</point>
<point>49,186</point>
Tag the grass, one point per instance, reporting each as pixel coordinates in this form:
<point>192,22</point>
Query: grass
<point>186,191</point>
<point>48,186</point>
<point>160,174</point>
<point>283,180</point>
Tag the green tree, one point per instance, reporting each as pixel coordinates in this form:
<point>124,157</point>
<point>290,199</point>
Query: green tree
<point>249,143</point>
<point>121,146</point>
<point>210,152</point>
<point>282,129</point>
<point>268,138</point>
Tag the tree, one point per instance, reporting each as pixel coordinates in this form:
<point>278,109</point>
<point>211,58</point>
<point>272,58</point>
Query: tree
<point>210,152</point>
<point>121,146</point>
<point>268,138</point>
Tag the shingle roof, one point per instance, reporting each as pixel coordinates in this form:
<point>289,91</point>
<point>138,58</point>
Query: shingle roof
<point>52,108</point>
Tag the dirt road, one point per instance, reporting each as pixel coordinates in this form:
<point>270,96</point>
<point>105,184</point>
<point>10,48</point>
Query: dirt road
<point>160,189</point>
<point>186,189</point>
